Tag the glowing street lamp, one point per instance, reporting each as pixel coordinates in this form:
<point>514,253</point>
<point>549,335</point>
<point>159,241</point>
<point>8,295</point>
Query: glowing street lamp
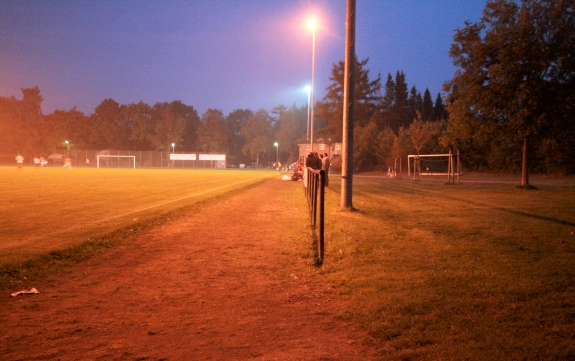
<point>277,153</point>
<point>308,89</point>
<point>67,148</point>
<point>311,24</point>
<point>173,150</point>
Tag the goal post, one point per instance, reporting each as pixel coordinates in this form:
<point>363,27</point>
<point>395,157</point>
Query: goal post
<point>434,165</point>
<point>115,161</point>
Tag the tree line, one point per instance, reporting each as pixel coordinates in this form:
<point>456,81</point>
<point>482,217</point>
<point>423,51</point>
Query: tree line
<point>508,107</point>
<point>244,135</point>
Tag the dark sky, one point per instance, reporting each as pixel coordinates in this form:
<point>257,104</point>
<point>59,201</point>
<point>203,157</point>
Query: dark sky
<point>214,53</point>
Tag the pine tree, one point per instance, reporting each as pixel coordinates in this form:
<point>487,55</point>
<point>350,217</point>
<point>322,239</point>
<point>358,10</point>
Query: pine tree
<point>366,100</point>
<point>427,107</point>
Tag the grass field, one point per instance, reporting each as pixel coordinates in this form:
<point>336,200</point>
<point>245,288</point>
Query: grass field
<point>476,271</point>
<point>42,210</point>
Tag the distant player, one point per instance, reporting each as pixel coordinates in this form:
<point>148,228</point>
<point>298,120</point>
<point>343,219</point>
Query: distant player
<point>68,163</point>
<point>19,161</point>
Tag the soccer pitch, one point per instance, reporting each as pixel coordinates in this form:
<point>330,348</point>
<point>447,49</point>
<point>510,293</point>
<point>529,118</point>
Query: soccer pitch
<point>44,209</point>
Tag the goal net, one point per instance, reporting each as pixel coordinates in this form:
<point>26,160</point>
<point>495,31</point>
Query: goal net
<point>434,165</point>
<point>115,161</point>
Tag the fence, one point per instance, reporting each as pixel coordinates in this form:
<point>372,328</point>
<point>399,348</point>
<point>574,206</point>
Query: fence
<point>143,159</point>
<point>315,191</point>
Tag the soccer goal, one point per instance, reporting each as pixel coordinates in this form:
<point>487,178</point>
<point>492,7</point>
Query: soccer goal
<point>434,165</point>
<point>115,161</point>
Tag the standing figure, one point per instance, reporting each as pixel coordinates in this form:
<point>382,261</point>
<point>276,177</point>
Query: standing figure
<point>19,161</point>
<point>325,166</point>
<point>68,163</point>
<point>313,161</point>
<point>87,162</point>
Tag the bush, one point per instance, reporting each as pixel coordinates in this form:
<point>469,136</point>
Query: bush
<point>335,164</point>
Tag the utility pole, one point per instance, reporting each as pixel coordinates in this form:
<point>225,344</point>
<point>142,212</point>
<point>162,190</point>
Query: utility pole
<point>348,100</point>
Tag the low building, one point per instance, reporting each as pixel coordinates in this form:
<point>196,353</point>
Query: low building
<point>333,150</point>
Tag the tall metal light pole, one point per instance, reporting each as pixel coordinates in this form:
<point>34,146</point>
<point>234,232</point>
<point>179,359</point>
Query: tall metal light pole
<point>277,154</point>
<point>308,88</point>
<point>311,24</point>
<point>67,148</point>
<point>348,100</point>
<point>173,151</point>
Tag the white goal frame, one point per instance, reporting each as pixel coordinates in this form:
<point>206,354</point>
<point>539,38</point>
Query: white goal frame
<point>113,156</point>
<point>453,166</point>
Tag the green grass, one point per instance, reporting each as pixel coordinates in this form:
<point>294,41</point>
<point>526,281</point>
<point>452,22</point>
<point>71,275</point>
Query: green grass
<point>52,209</point>
<point>457,272</point>
<point>477,271</point>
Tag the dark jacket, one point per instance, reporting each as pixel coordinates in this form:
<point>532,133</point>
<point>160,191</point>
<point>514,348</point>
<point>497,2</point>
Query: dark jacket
<point>313,162</point>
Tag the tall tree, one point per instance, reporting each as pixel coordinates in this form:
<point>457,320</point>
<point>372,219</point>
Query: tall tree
<point>401,105</point>
<point>168,127</point>
<point>366,99</point>
<point>189,140</point>
<point>387,104</point>
<point>439,111</point>
<point>236,120</point>
<point>213,134</point>
<point>139,120</point>
<point>71,125</point>
<point>290,130</point>
<point>517,73</point>
<point>427,106</point>
<point>8,125</point>
<point>365,147</point>
<point>111,130</point>
<point>258,135</point>
<point>421,132</point>
<point>24,122</point>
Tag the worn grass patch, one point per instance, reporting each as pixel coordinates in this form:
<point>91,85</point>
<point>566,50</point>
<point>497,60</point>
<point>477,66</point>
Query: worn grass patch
<point>478,271</point>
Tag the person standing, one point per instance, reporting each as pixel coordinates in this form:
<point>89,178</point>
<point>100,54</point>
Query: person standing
<point>325,166</point>
<point>19,161</point>
<point>68,163</point>
<point>312,161</point>
<point>87,162</point>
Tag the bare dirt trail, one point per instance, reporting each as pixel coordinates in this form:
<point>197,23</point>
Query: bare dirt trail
<point>223,284</point>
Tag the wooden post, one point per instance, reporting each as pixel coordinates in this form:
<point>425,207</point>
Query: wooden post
<point>458,169</point>
<point>449,167</point>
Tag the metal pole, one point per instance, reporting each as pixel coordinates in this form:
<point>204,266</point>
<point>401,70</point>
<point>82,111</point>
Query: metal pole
<point>312,88</point>
<point>308,100</point>
<point>348,100</point>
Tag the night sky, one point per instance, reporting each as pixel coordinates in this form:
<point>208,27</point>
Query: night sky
<point>215,54</point>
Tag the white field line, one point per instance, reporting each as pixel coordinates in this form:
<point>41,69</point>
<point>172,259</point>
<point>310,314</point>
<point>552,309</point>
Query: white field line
<point>137,210</point>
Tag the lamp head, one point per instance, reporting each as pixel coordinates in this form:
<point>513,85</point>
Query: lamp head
<point>311,23</point>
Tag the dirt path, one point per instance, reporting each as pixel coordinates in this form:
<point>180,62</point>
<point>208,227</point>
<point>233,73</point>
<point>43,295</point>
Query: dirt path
<point>226,284</point>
